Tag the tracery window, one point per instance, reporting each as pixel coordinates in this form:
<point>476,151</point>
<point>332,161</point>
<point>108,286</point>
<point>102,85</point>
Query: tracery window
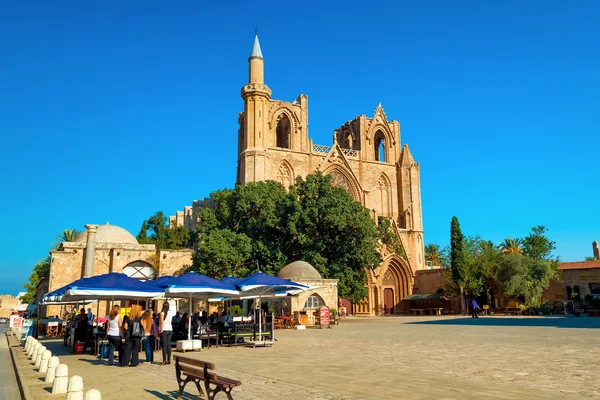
<point>284,175</point>
<point>388,278</point>
<point>339,180</point>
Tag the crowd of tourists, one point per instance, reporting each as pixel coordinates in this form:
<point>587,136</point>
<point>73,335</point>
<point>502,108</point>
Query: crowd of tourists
<point>139,330</point>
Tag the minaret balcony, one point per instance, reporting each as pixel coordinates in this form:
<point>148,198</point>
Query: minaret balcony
<point>256,89</point>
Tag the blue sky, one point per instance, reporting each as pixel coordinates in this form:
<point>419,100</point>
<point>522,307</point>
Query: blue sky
<point>112,111</point>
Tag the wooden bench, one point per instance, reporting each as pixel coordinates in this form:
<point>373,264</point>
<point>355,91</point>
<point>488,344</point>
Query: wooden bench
<point>435,311</point>
<point>243,331</point>
<point>419,311</point>
<point>197,371</point>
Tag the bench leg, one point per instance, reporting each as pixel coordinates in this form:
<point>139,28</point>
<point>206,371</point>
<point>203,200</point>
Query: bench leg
<point>183,382</point>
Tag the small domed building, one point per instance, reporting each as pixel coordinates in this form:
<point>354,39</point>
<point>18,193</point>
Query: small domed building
<point>325,291</point>
<point>102,249</point>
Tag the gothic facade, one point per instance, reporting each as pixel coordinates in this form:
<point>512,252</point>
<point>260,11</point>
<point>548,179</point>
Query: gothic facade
<point>367,158</point>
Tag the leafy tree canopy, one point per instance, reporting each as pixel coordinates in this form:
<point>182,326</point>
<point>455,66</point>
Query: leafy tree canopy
<point>156,230</point>
<point>314,221</point>
<point>522,268</point>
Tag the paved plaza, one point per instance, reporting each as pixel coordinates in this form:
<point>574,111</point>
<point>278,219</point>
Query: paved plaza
<point>378,358</point>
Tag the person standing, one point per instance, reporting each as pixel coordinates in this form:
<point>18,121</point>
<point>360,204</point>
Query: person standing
<point>166,332</point>
<point>134,336</point>
<point>475,308</point>
<point>149,336</point>
<point>113,333</point>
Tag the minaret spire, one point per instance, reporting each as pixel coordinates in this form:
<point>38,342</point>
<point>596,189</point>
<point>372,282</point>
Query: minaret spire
<point>256,52</point>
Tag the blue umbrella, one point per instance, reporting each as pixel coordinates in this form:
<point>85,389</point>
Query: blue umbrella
<point>261,284</point>
<point>194,284</point>
<point>109,286</point>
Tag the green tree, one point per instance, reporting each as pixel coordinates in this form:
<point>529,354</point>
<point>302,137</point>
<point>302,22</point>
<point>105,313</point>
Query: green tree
<point>156,230</point>
<point>525,277</point>
<point>40,270</point>
<point>459,264</point>
<point>537,245</point>
<point>591,259</point>
<point>314,221</point>
<point>68,235</point>
<point>511,246</point>
<point>435,255</point>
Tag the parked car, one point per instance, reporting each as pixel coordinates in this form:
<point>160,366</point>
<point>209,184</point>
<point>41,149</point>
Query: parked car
<point>3,321</point>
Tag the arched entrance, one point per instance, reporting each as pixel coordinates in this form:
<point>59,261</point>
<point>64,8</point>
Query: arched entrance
<point>395,282</point>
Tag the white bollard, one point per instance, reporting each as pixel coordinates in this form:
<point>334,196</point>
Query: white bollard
<point>75,389</point>
<point>34,349</point>
<point>27,341</point>
<point>31,343</point>
<point>44,361</point>
<point>51,371</point>
<point>61,379</point>
<point>38,357</point>
<point>93,394</point>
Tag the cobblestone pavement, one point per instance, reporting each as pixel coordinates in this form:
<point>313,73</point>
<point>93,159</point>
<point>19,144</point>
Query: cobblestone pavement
<point>378,358</point>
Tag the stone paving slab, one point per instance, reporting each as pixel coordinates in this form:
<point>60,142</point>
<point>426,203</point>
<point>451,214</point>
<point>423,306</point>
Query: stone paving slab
<point>376,358</point>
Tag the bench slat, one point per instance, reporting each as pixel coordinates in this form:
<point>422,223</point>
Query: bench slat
<point>193,361</point>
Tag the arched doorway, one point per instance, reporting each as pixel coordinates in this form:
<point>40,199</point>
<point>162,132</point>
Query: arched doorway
<point>388,300</point>
<point>395,282</point>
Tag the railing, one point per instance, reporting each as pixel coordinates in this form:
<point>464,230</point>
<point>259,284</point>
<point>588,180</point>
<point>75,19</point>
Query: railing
<point>350,153</point>
<point>317,148</point>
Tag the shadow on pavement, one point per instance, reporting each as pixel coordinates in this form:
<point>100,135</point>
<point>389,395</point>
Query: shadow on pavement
<point>93,362</point>
<point>554,322</point>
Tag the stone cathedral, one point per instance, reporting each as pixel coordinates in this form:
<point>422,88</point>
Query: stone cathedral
<point>367,159</point>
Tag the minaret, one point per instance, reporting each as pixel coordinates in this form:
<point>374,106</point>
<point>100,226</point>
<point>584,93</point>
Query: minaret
<point>252,158</point>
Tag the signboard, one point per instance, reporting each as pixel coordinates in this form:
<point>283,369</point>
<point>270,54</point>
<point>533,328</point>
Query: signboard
<point>324,316</point>
<point>28,325</point>
<point>15,321</point>
<point>588,276</point>
<point>486,307</point>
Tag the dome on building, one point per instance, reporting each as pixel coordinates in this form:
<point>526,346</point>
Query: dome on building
<point>299,270</point>
<point>109,234</point>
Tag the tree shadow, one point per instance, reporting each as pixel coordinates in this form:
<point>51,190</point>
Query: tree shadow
<point>172,394</point>
<point>536,322</point>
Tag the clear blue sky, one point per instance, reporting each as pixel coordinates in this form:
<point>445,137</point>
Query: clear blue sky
<point>112,111</point>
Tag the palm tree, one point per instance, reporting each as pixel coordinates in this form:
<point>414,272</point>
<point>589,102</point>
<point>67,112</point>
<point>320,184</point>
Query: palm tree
<point>511,246</point>
<point>433,254</point>
<point>68,235</point>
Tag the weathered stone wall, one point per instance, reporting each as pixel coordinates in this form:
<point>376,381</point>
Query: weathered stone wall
<point>7,303</point>
<point>428,281</point>
<point>68,263</point>
<point>327,290</point>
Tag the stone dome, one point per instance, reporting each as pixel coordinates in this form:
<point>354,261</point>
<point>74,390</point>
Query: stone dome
<point>299,270</point>
<point>109,234</point>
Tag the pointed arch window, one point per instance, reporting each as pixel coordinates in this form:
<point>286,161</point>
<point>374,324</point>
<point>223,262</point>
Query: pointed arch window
<point>379,141</point>
<point>283,131</point>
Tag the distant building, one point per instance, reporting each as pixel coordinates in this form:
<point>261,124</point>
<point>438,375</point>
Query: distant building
<point>102,249</point>
<point>7,304</point>
<point>579,279</point>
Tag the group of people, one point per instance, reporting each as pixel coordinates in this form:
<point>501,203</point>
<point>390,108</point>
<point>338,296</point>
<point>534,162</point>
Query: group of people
<point>139,328</point>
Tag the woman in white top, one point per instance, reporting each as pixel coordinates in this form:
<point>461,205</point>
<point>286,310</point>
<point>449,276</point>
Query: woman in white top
<point>113,333</point>
<point>166,332</point>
